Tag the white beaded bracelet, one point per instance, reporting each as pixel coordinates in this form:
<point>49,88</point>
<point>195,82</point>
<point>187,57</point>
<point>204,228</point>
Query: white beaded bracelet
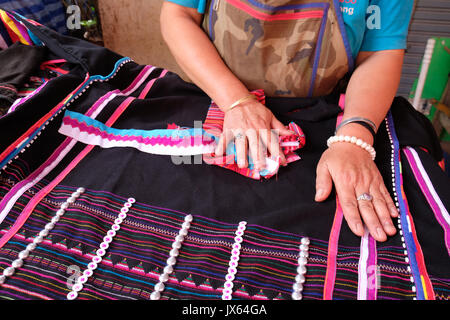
<point>354,140</point>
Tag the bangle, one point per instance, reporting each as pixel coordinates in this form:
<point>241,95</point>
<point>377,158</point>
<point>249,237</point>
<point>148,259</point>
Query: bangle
<point>354,140</point>
<point>238,102</point>
<point>366,123</point>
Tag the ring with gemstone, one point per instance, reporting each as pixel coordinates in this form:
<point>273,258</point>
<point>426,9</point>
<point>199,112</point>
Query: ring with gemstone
<point>365,197</point>
<point>239,136</point>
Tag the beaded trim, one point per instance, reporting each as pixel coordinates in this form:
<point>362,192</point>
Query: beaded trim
<point>234,261</point>
<point>74,97</point>
<point>97,259</point>
<point>394,190</point>
<point>16,264</point>
<point>301,269</point>
<point>172,260</point>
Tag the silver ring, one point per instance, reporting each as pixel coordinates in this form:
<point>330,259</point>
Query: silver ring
<point>365,196</point>
<point>239,136</point>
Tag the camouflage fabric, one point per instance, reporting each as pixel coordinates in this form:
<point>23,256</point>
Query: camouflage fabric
<point>271,44</point>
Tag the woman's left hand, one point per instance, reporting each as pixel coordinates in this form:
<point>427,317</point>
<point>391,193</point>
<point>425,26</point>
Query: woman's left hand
<point>353,173</point>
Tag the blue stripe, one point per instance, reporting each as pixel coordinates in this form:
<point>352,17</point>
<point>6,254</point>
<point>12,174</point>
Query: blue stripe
<point>34,134</point>
<point>410,245</point>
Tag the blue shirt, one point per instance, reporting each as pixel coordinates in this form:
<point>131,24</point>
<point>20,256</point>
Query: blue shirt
<point>371,25</point>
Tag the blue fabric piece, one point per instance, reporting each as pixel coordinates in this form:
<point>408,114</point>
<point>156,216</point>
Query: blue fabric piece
<point>169,133</point>
<point>371,25</point>
<point>50,13</point>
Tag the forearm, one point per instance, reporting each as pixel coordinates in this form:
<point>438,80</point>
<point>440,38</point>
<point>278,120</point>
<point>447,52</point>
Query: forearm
<point>197,56</point>
<point>371,90</point>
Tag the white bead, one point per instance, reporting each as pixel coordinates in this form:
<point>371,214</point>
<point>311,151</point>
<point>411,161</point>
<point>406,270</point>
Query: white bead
<point>359,142</point>
<point>302,261</point>
<point>184,232</point>
<point>9,271</point>
<point>159,287</point>
<point>31,246</point>
<point>43,233</point>
<point>168,269</point>
<point>188,218</point>
<point>298,286</point>
<point>176,245</point>
<point>300,278</point>
<point>81,190</point>
<point>72,295</point>
<point>304,254</point>
<point>55,219</point>
<point>2,279</point>
<point>297,296</point>
<point>71,200</point>
<point>24,254</point>
<point>155,295</point>
<point>179,238</point>
<point>64,205</point>
<point>75,194</point>
<point>174,252</point>
<point>60,212</point>
<point>301,269</point>
<point>38,239</point>
<point>306,241</point>
<point>49,226</point>
<point>186,225</point>
<point>304,247</point>
<point>164,277</point>
<point>171,261</point>
<point>17,263</point>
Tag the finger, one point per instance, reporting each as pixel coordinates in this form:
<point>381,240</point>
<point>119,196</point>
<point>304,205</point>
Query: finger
<point>370,218</point>
<point>349,207</point>
<point>256,149</point>
<point>393,211</point>
<point>382,211</point>
<point>276,124</point>
<point>224,140</point>
<point>271,140</point>
<point>240,141</point>
<point>324,182</point>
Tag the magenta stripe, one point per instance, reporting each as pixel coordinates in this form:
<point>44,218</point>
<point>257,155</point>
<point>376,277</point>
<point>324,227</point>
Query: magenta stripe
<point>419,175</point>
<point>372,262</point>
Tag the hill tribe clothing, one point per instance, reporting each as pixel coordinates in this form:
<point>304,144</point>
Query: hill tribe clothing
<point>78,221</point>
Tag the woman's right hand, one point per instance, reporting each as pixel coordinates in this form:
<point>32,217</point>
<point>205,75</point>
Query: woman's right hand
<point>255,131</point>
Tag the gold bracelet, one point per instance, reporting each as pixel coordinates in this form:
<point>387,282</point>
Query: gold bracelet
<point>242,100</point>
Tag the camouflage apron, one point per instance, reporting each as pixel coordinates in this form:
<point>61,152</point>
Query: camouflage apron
<point>289,48</point>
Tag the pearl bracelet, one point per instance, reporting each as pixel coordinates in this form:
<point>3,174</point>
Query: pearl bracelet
<point>354,140</point>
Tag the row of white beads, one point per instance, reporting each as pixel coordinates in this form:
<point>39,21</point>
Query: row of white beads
<point>355,141</point>
<point>63,108</point>
<point>398,205</point>
<point>42,234</point>
<point>97,259</point>
<point>301,269</point>
<point>234,261</point>
<point>172,260</point>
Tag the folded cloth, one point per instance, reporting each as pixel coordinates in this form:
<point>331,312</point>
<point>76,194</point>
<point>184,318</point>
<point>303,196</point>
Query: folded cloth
<point>17,64</point>
<point>289,144</point>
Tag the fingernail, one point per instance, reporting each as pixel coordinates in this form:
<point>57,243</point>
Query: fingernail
<point>394,212</point>
<point>380,233</point>
<point>319,194</point>
<point>358,228</point>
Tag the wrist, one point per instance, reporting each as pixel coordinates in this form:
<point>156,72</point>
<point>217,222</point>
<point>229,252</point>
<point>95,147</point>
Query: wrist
<point>356,130</point>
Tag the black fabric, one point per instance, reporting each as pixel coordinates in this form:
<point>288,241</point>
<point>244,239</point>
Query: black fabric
<point>284,203</point>
<point>17,64</point>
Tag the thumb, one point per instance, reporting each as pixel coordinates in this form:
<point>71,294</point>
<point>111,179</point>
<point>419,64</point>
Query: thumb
<point>276,124</point>
<point>324,182</point>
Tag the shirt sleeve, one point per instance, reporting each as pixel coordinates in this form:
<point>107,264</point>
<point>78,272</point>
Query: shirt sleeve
<point>387,25</point>
<point>196,4</point>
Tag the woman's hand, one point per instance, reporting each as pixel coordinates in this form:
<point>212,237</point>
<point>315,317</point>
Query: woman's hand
<point>254,129</point>
<point>353,173</point>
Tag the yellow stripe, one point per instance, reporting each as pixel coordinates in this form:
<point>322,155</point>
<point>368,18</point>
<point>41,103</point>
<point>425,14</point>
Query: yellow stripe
<point>13,27</point>
<point>424,287</point>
